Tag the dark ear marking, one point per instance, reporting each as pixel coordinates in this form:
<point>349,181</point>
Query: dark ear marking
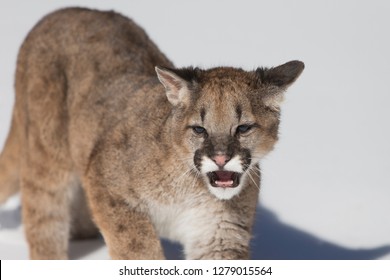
<point>169,79</point>
<point>188,74</point>
<point>178,83</point>
<point>281,76</point>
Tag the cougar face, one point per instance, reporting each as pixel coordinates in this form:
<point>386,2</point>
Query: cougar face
<point>229,120</point>
<point>228,137</point>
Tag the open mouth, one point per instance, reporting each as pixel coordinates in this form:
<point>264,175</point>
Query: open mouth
<point>224,179</point>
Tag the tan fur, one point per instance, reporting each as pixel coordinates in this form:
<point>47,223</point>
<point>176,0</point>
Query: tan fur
<point>90,112</point>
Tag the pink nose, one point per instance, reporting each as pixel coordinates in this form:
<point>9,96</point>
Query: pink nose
<point>221,160</point>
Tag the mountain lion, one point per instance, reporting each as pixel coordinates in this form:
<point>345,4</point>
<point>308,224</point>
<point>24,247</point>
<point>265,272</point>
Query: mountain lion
<point>107,132</point>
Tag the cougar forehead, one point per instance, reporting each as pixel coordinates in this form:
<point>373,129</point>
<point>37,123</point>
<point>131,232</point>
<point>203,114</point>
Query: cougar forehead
<point>223,99</point>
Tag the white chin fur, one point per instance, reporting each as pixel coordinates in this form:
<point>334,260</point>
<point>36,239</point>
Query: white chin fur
<point>225,193</point>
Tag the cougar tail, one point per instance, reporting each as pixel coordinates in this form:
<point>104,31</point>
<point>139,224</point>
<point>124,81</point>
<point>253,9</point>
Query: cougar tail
<point>9,164</point>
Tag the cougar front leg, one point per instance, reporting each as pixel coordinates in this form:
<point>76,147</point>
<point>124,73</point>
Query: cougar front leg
<point>45,211</point>
<point>229,241</point>
<point>128,233</point>
<point>223,232</point>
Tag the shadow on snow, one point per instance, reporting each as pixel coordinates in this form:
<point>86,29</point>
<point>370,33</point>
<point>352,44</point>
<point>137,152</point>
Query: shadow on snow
<point>273,240</point>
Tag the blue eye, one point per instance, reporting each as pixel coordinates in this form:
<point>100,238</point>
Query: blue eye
<point>243,128</point>
<point>198,129</point>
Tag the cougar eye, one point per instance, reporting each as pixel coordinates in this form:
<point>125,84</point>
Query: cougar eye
<point>198,129</point>
<point>243,128</point>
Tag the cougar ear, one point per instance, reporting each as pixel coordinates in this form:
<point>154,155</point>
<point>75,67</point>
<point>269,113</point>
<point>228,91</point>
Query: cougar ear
<point>177,83</point>
<point>280,77</point>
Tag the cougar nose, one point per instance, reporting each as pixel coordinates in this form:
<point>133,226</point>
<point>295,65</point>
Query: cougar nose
<point>221,160</point>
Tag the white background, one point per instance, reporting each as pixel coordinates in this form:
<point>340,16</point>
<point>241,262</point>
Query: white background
<point>326,187</point>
